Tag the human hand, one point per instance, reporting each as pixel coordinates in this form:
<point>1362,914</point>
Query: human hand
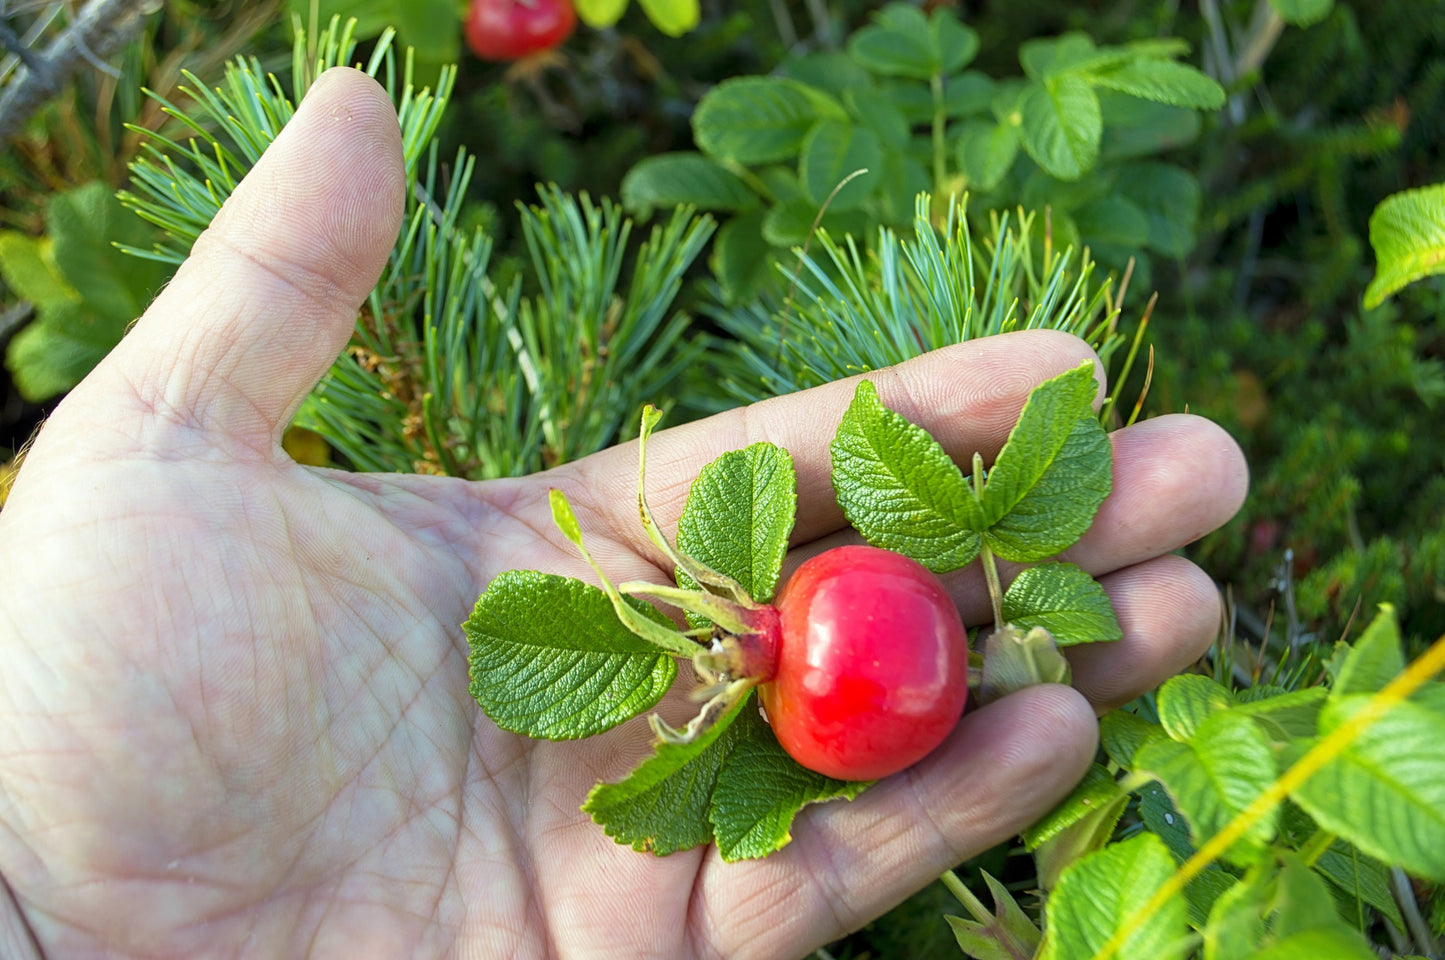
<point>234,716</point>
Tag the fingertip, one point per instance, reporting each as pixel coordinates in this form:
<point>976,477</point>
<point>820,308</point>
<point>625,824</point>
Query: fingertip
<point>1170,611</point>
<point>1176,478</point>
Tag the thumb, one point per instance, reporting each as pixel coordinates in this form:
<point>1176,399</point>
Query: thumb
<point>270,292</point>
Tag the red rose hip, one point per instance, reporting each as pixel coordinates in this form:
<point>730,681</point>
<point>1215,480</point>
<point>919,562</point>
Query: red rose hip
<point>513,29</point>
<point>872,664</point>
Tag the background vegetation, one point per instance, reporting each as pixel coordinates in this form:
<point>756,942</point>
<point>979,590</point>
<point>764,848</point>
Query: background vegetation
<point>1259,259</point>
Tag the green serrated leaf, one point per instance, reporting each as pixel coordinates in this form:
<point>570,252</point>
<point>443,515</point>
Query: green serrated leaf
<point>968,94</point>
<point>1336,943</point>
<point>1096,791</point>
<point>759,119</point>
<point>1169,198</point>
<point>1407,231</point>
<point>1301,899</point>
<point>1122,733</point>
<point>828,70</point>
<point>1201,893</point>
<point>875,110</point>
<point>672,17</point>
<point>904,178</point>
<point>1162,818</point>
<point>670,179</point>
<point>1385,793</point>
<point>1236,924</point>
<point>1112,221</point>
<point>955,43</point>
<point>1052,474</point>
<point>986,151</point>
<point>1223,767</point>
<point>1097,807</point>
<point>1188,700</point>
<point>833,151</point>
<point>899,43</point>
<point>1064,600</point>
<point>55,351</point>
<point>429,28</point>
<point>1061,125</point>
<point>1046,57</point>
<point>761,789</point>
<point>86,291</point>
<point>1163,81</point>
<point>600,14</point>
<point>86,223</point>
<point>1291,714</point>
<point>28,266</point>
<point>1360,877</point>
<point>1096,895</point>
<point>1005,934</point>
<point>662,805</point>
<point>899,488</point>
<point>1373,660</point>
<point>1303,13</point>
<point>738,516</point>
<point>790,223</point>
<point>740,256</point>
<point>550,659</point>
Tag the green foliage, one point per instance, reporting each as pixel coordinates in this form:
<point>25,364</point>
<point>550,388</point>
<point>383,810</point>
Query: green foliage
<point>1303,13</point>
<point>1096,895</point>
<point>899,114</point>
<point>1005,934</point>
<point>902,492</point>
<point>447,372</point>
<point>550,661</point>
<point>848,312</point>
<point>738,516</point>
<point>1053,473</point>
<point>899,488</point>
<point>84,291</point>
<point>672,17</point>
<point>761,790</point>
<point>1214,775</point>
<point>1386,793</point>
<point>1407,231</point>
<point>1065,601</point>
<point>667,803</point>
<point>1302,875</point>
<point>430,28</point>
<point>1332,425</point>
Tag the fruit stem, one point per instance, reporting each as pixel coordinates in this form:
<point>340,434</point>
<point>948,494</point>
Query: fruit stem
<point>985,555</point>
<point>995,591</point>
<point>965,896</point>
<point>648,629</point>
<point>706,577</point>
<point>719,610</point>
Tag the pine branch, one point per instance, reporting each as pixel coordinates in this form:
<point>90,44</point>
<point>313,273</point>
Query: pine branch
<point>445,373</point>
<point>102,28</point>
<point>852,312</point>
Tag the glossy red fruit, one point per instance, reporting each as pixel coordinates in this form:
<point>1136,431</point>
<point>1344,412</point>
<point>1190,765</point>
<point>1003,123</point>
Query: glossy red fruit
<point>513,29</point>
<point>872,664</point>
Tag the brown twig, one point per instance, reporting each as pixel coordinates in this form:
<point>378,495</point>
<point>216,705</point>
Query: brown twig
<point>100,30</point>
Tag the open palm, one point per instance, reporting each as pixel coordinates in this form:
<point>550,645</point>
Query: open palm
<point>233,713</point>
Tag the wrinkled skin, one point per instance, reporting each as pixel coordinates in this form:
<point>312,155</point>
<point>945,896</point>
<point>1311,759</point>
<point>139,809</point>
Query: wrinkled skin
<point>233,711</point>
